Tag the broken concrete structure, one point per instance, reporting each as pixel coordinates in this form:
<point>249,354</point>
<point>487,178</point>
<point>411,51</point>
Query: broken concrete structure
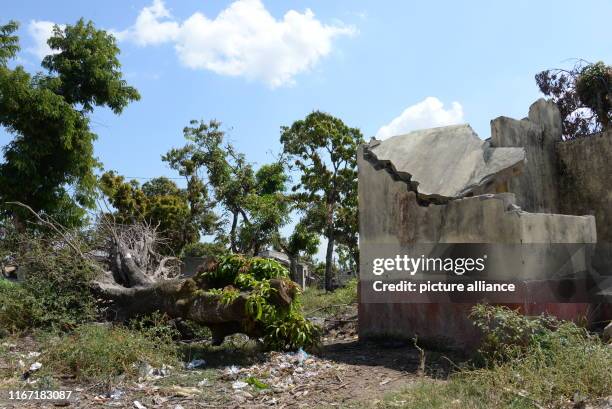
<point>521,186</point>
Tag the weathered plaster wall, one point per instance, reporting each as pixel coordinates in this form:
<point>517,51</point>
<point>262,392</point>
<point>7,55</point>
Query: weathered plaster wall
<point>585,187</point>
<point>536,189</point>
<point>390,214</point>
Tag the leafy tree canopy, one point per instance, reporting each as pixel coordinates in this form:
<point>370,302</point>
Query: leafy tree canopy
<point>253,201</point>
<point>583,95</point>
<point>50,162</point>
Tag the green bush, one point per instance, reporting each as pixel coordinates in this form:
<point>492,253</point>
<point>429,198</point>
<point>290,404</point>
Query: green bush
<point>58,286</point>
<point>16,311</point>
<point>98,352</point>
<point>284,328</point>
<point>507,334</point>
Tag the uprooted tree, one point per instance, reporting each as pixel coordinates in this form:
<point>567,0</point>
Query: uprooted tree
<point>229,294</point>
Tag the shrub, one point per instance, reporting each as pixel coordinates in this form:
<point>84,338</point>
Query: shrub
<point>16,311</point>
<point>507,334</point>
<point>57,283</point>
<point>98,352</point>
<point>284,328</point>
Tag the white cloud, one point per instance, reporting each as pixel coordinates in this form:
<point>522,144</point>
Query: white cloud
<point>428,113</point>
<point>243,40</point>
<point>149,29</point>
<point>40,31</point>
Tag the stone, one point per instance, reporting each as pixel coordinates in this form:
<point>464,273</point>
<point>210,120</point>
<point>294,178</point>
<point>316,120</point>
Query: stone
<point>448,162</point>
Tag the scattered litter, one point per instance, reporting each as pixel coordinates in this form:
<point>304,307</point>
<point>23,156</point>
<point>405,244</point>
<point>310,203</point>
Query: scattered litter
<point>301,356</point>
<point>33,354</point>
<point>196,363</point>
<point>115,394</point>
<point>204,382</point>
<point>178,407</point>
<point>147,372</point>
<point>139,405</point>
<point>239,385</point>
<point>184,392</point>
<point>231,372</point>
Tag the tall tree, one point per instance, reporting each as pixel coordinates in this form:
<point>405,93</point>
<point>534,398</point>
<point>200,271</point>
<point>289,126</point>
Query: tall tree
<point>324,151</point>
<point>50,162</point>
<point>583,95</point>
<point>253,201</point>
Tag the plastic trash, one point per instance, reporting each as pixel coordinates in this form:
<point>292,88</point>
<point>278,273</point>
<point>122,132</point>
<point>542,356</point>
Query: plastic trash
<point>196,363</point>
<point>239,385</point>
<point>301,356</point>
<point>35,366</point>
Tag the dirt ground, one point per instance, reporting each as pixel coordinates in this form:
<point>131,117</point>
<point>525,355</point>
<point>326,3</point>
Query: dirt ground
<point>344,373</point>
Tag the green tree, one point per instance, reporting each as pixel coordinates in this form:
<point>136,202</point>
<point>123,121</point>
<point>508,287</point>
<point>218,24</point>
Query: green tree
<point>253,202</point>
<point>181,217</point>
<point>324,151</point>
<point>50,163</point>
<point>583,95</point>
<point>594,88</point>
<point>302,243</point>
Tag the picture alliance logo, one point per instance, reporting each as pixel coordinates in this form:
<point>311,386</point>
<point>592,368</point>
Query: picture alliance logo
<point>412,265</point>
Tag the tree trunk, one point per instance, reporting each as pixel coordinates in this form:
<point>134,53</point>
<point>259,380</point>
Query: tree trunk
<point>233,233</point>
<point>329,272</point>
<point>185,299</point>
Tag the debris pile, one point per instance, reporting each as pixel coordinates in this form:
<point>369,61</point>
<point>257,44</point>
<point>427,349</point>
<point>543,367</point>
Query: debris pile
<point>296,374</point>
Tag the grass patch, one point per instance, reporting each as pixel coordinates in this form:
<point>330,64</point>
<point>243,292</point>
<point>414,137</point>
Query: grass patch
<point>98,352</point>
<point>529,362</point>
<point>319,303</point>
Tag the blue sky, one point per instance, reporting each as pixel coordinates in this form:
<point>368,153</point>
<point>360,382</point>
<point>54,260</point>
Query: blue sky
<point>256,65</point>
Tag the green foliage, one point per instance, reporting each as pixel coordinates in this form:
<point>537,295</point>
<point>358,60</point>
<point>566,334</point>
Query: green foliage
<point>256,383</point>
<point>508,334</point>
<point>594,88</point>
<point>155,326</point>
<point>16,311</point>
<point>98,352</point>
<point>324,151</point>
<point>583,95</point>
<point>329,303</point>
<point>284,328</point>
<point>54,291</point>
<point>9,42</point>
<point>200,249</point>
<point>292,332</point>
<point>533,363</point>
<point>51,153</point>
<point>58,284</point>
<point>253,200</point>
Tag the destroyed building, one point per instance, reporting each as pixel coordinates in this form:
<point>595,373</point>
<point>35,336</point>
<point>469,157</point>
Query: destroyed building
<point>522,186</point>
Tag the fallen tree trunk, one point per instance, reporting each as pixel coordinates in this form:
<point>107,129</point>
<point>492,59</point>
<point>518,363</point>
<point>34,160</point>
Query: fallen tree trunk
<point>135,280</point>
<point>185,299</point>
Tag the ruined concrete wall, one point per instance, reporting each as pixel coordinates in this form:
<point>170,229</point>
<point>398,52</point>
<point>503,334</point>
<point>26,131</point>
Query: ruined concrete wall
<point>391,215</point>
<point>585,187</point>
<point>536,189</point>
